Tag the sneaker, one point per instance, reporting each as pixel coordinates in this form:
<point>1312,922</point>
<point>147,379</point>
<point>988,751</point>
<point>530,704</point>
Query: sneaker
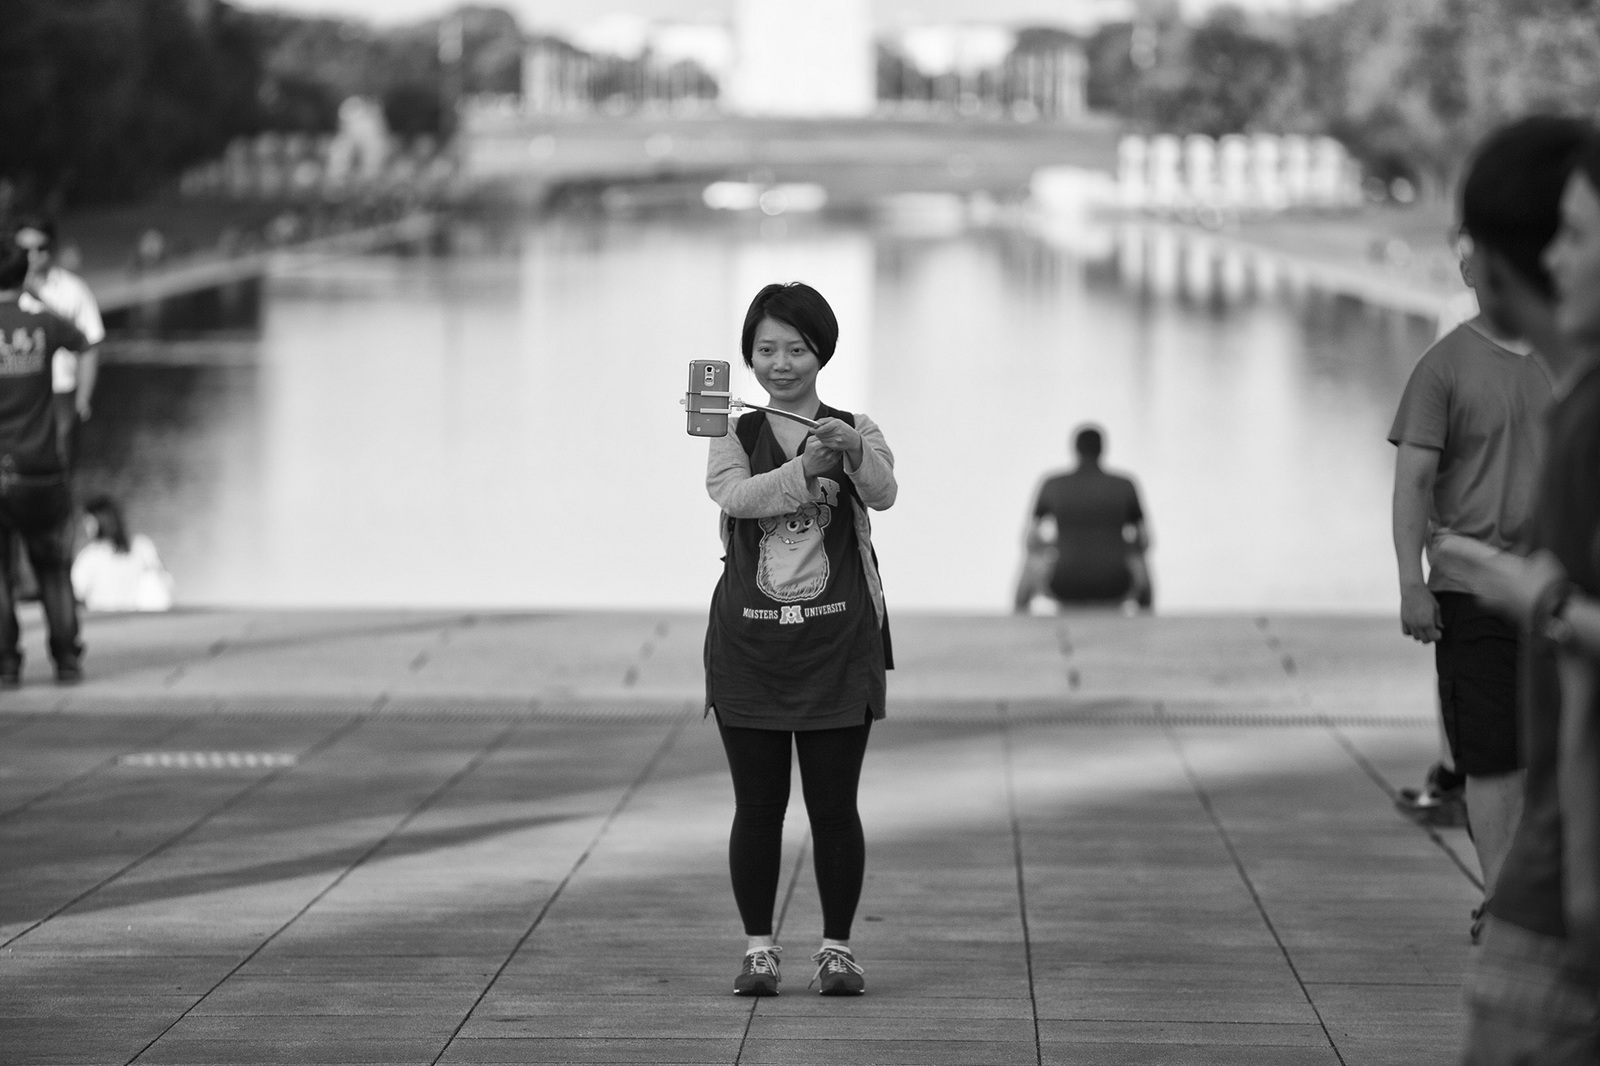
<point>68,673</point>
<point>759,975</point>
<point>1441,801</point>
<point>838,973</point>
<point>11,672</point>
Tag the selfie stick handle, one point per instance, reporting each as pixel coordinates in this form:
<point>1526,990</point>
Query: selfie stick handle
<point>802,419</point>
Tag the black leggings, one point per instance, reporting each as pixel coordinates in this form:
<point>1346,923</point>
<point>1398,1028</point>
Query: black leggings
<point>830,770</point>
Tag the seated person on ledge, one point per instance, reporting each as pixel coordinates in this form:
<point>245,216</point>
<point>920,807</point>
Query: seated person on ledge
<point>1096,556</point>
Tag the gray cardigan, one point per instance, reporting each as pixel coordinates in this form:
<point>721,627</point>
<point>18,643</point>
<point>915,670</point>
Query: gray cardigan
<point>742,494</point>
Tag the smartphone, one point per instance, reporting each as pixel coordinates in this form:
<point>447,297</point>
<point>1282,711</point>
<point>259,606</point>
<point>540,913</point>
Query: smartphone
<point>707,401</point>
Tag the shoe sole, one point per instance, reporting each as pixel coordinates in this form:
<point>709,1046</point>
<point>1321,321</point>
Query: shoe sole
<point>1439,816</point>
<point>841,992</point>
<point>758,991</point>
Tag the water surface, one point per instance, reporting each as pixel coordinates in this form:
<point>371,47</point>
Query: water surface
<point>496,424</point>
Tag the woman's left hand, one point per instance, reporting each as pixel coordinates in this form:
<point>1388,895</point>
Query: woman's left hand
<point>839,437</point>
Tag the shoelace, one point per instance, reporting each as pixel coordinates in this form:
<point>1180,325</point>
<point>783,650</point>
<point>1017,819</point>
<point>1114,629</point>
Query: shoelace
<point>762,960</point>
<point>832,960</point>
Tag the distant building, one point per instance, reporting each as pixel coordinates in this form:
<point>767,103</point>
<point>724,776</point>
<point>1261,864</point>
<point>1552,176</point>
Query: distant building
<point>812,59</point>
<point>985,70</point>
<point>676,67</point>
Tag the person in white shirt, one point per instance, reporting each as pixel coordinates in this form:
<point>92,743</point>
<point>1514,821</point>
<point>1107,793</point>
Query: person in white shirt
<point>116,572</point>
<point>65,294</point>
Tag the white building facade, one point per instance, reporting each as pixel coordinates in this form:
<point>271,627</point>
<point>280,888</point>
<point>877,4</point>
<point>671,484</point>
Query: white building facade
<point>817,59</point>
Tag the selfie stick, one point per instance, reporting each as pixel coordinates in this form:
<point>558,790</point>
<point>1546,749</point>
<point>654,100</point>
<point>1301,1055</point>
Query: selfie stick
<point>732,402</point>
<point>802,419</point>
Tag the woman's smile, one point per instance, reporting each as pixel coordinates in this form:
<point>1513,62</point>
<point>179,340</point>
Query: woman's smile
<point>784,364</point>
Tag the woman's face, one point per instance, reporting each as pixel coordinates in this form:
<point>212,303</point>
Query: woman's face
<point>783,363</point>
<point>1573,260</point>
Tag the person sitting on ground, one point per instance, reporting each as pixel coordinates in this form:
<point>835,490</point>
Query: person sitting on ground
<point>1097,555</point>
<point>114,572</point>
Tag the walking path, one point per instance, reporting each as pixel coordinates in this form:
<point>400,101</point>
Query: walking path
<point>431,838</point>
<point>119,291</point>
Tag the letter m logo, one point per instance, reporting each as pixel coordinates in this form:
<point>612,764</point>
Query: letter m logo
<point>790,616</point>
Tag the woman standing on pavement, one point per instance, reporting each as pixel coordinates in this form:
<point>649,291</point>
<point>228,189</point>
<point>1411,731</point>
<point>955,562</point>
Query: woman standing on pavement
<point>797,643</point>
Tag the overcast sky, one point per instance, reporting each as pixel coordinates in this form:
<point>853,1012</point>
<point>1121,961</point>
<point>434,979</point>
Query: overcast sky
<point>558,14</point>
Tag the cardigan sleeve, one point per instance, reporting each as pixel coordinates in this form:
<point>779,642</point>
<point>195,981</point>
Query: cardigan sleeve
<point>874,478</point>
<point>742,494</point>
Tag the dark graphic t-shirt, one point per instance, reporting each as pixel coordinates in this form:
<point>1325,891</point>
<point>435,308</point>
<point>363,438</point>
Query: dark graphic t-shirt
<point>793,640</point>
<point>1566,522</point>
<point>1090,508</point>
<point>29,337</point>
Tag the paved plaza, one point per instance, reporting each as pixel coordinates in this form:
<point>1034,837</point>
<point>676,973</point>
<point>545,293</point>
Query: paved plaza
<point>329,838</point>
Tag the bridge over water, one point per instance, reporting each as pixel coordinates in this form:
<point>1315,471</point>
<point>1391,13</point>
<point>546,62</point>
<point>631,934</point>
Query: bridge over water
<point>856,160</point>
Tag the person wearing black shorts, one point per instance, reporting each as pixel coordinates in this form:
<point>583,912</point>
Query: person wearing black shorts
<point>1533,990</point>
<point>1469,436</point>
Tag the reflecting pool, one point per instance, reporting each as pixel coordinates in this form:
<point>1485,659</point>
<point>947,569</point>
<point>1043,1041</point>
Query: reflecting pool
<point>495,423</point>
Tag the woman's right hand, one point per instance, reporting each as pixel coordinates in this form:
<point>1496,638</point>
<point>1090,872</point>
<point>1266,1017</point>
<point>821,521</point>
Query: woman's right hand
<point>817,457</point>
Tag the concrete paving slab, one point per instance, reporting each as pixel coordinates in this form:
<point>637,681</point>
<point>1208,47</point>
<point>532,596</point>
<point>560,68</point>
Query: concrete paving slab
<point>1188,1033</point>
<point>1109,1054</point>
<point>1136,840</point>
<point>580,1050</point>
<point>947,1050</point>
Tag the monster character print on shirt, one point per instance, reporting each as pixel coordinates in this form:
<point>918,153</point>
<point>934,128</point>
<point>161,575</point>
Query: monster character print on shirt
<point>794,562</point>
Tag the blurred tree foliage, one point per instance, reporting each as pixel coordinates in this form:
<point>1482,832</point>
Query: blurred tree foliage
<point>1408,86</point>
<point>107,100</point>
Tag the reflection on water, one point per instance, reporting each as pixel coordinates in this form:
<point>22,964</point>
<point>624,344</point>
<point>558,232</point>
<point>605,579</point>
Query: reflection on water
<point>499,426</point>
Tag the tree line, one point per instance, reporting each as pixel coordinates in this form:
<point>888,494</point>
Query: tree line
<point>1409,87</point>
<point>108,100</point>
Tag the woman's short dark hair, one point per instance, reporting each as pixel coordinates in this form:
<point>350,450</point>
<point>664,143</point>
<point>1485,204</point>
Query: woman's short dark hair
<point>801,308</point>
<point>108,517</point>
<point>1511,196</point>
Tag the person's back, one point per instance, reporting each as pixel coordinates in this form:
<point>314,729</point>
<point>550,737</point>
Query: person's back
<point>1092,509</point>
<point>1097,554</point>
<point>105,579</point>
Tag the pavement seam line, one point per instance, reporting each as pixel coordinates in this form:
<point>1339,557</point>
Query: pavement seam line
<point>191,828</point>
<point>628,793</point>
<point>451,782</point>
<point>1377,776</point>
<point>1022,889</point>
<point>104,764</point>
<point>777,930</point>
<point>1275,643</point>
<point>1244,876</point>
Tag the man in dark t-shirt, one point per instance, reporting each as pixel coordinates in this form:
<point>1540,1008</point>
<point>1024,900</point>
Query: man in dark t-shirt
<point>1097,554</point>
<point>35,503</point>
